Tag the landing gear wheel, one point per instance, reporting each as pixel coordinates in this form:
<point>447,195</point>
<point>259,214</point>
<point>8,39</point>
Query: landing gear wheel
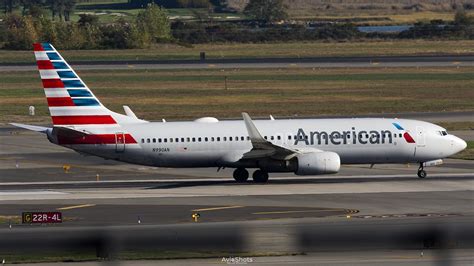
<point>260,176</point>
<point>241,175</point>
<point>421,173</point>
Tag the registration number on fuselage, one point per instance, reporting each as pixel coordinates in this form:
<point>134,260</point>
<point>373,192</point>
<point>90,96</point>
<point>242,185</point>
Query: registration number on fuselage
<point>161,149</point>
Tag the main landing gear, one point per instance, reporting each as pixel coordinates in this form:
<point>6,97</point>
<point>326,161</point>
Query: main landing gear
<point>260,176</point>
<point>241,175</point>
<point>421,172</point>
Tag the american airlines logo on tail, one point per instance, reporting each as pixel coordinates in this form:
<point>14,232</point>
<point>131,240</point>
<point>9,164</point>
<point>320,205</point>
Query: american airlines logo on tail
<point>66,93</point>
<point>72,103</point>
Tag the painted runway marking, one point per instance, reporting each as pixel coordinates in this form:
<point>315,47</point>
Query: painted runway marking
<point>217,208</point>
<point>16,193</point>
<point>76,207</point>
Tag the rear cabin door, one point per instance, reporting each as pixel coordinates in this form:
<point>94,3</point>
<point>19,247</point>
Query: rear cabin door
<point>119,142</point>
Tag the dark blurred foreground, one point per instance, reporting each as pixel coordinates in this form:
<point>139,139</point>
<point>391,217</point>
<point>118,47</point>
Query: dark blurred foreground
<point>355,234</point>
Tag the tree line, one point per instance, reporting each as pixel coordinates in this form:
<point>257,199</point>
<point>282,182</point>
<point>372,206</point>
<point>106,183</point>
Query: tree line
<point>150,26</point>
<point>263,31</point>
<point>60,9</point>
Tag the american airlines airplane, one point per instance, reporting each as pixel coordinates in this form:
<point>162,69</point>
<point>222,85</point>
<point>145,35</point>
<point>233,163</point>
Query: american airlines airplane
<point>300,146</point>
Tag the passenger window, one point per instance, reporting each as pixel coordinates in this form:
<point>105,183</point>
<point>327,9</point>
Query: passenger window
<point>400,135</point>
<point>188,139</point>
<point>176,139</point>
<point>182,139</point>
<point>199,139</point>
<point>272,137</point>
<point>248,137</point>
<point>289,137</point>
<point>206,139</point>
<point>242,138</point>
<point>159,140</point>
<point>218,139</point>
<point>230,138</point>
<point>212,138</point>
<point>165,140</point>
<point>143,140</point>
<point>194,139</point>
<point>148,140</point>
<point>171,139</point>
<point>154,140</point>
<point>224,138</point>
<point>265,137</point>
<point>279,137</point>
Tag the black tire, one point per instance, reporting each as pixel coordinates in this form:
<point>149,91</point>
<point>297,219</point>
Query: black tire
<point>260,176</point>
<point>241,175</point>
<point>421,173</point>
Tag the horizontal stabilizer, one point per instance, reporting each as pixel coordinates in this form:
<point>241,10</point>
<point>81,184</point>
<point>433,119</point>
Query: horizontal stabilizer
<point>69,132</point>
<point>31,127</point>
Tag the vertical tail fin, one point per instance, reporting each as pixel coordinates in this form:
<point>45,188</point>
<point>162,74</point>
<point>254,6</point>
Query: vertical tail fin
<point>70,101</point>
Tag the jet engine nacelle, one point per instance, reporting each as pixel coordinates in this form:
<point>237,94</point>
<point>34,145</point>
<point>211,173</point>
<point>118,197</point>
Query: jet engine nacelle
<point>318,163</point>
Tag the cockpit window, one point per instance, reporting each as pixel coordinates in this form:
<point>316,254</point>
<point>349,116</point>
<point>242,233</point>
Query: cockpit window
<point>443,133</point>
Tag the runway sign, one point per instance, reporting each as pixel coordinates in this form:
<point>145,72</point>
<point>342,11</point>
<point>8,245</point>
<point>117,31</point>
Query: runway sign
<point>41,217</point>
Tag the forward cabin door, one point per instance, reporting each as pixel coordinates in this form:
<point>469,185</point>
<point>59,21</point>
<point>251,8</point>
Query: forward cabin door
<point>420,137</point>
<point>119,142</point>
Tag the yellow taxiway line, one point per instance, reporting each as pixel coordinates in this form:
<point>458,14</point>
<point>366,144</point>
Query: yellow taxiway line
<point>75,207</point>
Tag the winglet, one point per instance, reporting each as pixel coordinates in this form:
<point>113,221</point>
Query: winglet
<point>263,148</point>
<point>254,134</point>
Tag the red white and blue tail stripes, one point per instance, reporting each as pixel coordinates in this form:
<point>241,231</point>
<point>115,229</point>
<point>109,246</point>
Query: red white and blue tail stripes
<point>69,99</point>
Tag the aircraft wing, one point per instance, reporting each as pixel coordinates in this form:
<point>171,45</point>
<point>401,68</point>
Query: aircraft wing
<point>263,148</point>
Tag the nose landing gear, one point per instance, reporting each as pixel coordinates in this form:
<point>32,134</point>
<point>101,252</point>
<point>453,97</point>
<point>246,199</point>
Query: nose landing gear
<point>421,172</point>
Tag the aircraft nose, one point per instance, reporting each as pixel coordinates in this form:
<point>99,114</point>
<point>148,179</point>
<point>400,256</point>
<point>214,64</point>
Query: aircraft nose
<point>459,144</point>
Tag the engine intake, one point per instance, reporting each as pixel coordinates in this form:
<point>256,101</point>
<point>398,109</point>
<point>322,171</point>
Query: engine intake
<point>318,163</point>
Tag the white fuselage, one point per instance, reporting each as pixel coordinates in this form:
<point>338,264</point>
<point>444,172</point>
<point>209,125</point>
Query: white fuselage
<point>216,144</point>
